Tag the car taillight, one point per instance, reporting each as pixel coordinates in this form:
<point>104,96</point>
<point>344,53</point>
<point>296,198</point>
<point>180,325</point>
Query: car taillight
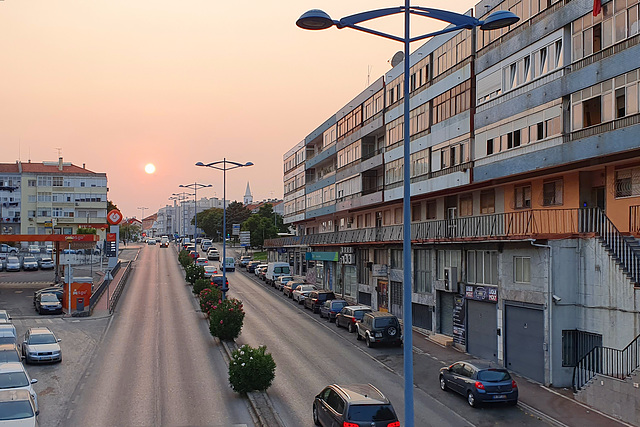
<point>353,320</point>
<point>479,385</point>
<point>348,424</point>
<point>394,424</point>
<point>513,384</point>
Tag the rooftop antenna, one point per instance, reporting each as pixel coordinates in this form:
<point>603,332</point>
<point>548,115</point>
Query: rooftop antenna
<point>397,59</point>
<point>368,75</point>
<point>59,151</point>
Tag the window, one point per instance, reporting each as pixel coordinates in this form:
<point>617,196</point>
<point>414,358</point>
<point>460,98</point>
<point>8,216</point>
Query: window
<point>620,102</point>
<point>31,182</point>
<point>466,205</point>
<point>482,267</point>
<point>552,193</point>
<point>591,112</point>
<point>448,258</point>
<point>576,344</point>
<point>396,259</point>
<point>522,199</point>
<point>432,209</point>
<point>628,182</point>
<point>489,146</point>
<point>522,269</point>
<point>363,268</point>
<point>397,216</point>
<point>416,212</point>
<point>487,202</point>
<point>422,270</point>
<point>57,181</point>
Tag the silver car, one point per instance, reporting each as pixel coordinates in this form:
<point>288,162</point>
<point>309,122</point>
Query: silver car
<point>29,263</point>
<point>46,263</point>
<point>13,376</point>
<point>13,263</point>
<point>41,345</point>
<point>4,317</point>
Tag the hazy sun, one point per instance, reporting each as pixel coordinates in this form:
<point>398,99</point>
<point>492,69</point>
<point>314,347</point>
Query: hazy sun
<point>150,168</point>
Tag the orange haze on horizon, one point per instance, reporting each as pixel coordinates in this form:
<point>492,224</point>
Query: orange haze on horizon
<point>118,84</point>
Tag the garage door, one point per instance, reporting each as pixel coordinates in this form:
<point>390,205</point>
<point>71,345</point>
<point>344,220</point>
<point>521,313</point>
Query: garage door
<point>445,302</point>
<point>482,324</point>
<point>524,351</point>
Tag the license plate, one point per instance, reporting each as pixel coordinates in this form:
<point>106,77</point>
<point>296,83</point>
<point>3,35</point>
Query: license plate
<point>499,396</point>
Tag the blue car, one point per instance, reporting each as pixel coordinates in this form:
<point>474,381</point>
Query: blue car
<point>480,382</point>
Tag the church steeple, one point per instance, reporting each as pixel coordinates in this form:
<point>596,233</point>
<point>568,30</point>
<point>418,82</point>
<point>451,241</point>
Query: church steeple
<point>248,198</point>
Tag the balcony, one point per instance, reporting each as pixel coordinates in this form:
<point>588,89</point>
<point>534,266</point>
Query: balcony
<point>526,224</point>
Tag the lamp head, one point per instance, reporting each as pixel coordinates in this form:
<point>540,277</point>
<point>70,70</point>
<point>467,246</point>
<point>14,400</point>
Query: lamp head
<point>248,164</point>
<point>200,164</point>
<point>499,19</point>
<point>315,19</point>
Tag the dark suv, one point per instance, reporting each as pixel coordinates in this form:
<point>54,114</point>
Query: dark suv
<point>316,298</point>
<point>353,405</point>
<point>379,327</point>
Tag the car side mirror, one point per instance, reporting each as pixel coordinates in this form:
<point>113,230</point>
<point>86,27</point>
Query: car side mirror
<point>33,380</point>
<point>59,339</point>
<point>37,413</point>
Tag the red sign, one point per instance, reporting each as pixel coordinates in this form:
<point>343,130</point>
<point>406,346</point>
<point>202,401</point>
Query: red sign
<point>114,217</point>
<point>111,237</point>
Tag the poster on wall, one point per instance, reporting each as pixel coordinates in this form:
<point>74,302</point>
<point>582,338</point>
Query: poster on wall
<point>458,320</point>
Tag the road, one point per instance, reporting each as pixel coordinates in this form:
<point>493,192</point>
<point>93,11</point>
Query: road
<point>311,353</point>
<point>157,364</point>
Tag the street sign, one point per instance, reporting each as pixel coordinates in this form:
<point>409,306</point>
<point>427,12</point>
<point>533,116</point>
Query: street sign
<point>245,238</point>
<point>114,217</point>
<point>236,229</point>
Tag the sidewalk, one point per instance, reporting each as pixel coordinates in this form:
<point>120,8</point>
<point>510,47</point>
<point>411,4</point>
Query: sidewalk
<point>101,309</point>
<point>558,407</point>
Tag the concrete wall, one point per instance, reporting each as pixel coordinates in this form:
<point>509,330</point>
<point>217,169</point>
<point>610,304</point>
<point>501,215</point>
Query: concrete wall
<point>620,399</point>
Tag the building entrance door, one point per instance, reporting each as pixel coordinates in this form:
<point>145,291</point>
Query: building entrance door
<point>383,295</point>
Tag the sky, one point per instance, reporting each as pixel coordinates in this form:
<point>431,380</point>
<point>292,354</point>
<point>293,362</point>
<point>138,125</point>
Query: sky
<point>119,84</point>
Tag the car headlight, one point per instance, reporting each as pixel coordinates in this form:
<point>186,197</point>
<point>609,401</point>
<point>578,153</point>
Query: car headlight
<point>33,353</point>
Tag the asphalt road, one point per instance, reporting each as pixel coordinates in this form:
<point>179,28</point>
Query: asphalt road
<point>158,364</point>
<point>311,353</point>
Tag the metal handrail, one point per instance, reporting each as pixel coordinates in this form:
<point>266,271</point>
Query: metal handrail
<point>610,362</point>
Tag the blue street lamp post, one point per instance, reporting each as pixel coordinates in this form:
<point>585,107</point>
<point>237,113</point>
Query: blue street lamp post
<point>181,197</point>
<point>319,20</point>
<point>224,168</point>
<point>195,187</point>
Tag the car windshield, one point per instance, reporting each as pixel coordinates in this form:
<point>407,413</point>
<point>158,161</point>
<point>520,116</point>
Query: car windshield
<point>29,259</point>
<point>48,298</point>
<point>339,305</point>
<point>15,410</point>
<point>385,321</point>
<point>4,316</point>
<point>9,356</point>
<point>371,413</point>
<point>42,339</point>
<point>13,380</point>
<point>306,288</point>
<point>493,375</point>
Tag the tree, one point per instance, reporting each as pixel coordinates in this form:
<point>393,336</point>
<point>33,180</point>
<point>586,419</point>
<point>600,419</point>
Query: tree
<point>261,228</point>
<point>129,232</point>
<point>111,206</point>
<point>210,221</point>
<point>237,213</point>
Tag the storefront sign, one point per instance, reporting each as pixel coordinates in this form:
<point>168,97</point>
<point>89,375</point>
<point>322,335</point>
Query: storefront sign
<point>481,293</point>
<point>321,256</point>
<point>458,320</point>
<point>379,270</point>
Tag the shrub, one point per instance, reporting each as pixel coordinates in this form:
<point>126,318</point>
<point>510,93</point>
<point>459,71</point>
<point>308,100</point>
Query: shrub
<point>200,285</point>
<point>226,318</point>
<point>251,369</point>
<point>209,297</point>
<point>184,259</point>
<point>194,272</point>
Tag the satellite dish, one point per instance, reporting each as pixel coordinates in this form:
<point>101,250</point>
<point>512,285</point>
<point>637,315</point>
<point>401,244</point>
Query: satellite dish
<point>397,58</point>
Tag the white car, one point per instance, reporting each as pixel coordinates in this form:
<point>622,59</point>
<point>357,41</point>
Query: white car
<point>302,291</point>
<point>4,317</point>
<point>202,261</point>
<point>213,254</point>
<point>34,249</point>
<point>14,376</point>
<point>13,263</point>
<point>210,270</point>
<point>29,263</point>
<point>258,268</point>
<point>18,409</point>
<point>46,263</point>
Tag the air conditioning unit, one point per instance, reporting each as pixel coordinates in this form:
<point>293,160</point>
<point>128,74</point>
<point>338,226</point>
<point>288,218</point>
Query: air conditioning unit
<point>451,279</point>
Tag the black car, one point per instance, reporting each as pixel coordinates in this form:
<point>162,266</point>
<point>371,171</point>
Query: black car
<point>379,327</point>
<point>58,290</point>
<point>316,298</point>
<point>350,315</point>
<point>480,382</point>
<point>355,405</point>
<point>251,266</point>
<point>216,280</point>
<point>332,307</point>
<point>47,302</point>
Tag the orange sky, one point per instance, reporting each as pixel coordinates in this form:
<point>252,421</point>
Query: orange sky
<point>117,84</point>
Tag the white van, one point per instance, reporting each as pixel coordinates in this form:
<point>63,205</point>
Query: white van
<point>229,264</point>
<point>275,270</point>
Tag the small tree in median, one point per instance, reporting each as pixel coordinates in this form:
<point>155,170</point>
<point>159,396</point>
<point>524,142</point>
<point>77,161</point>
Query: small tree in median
<point>226,318</point>
<point>209,298</point>
<point>251,369</point>
<point>200,285</point>
<point>193,273</point>
<point>184,259</point>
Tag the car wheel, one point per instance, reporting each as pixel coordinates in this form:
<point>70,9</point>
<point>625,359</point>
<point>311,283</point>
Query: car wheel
<point>471,400</point>
<point>512,402</point>
<point>350,327</point>
<point>368,341</point>
<point>316,421</point>
<point>443,383</point>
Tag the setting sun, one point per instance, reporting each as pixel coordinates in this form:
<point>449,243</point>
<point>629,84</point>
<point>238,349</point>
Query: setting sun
<point>150,168</point>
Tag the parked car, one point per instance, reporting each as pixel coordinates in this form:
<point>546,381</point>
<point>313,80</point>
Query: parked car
<point>379,327</point>
<point>69,251</point>
<point>15,377</point>
<point>4,248</point>
<point>48,303</point>
<point>18,408</point>
<point>244,260</point>
<point>41,345</point>
<point>355,405</point>
<point>229,264</point>
<point>350,315</point>
<point>151,242</point>
<point>34,249</point>
<point>213,254</point>
<point>291,286</point>
<point>46,264</point>
<point>194,254</point>
<point>209,270</point>
<point>275,270</point>
<point>258,268</point>
<point>8,334</point>
<point>317,298</point>
<point>301,292</point>
<point>56,290</point>
<point>262,273</point>
<point>216,280</point>
<point>252,265</point>
<point>12,263</point>
<point>282,280</point>
<point>201,261</point>
<point>10,353</point>
<point>4,317</point>
<point>480,381</point>
<point>29,263</point>
<point>331,308</point>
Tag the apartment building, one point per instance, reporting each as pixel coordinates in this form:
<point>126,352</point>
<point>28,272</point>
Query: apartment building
<point>10,206</point>
<point>525,189</point>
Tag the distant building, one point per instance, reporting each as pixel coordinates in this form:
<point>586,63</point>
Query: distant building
<point>248,198</point>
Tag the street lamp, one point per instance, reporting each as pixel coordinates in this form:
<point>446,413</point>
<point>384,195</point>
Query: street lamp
<point>224,168</point>
<point>142,221</point>
<point>318,20</point>
<point>195,187</point>
<point>181,197</point>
